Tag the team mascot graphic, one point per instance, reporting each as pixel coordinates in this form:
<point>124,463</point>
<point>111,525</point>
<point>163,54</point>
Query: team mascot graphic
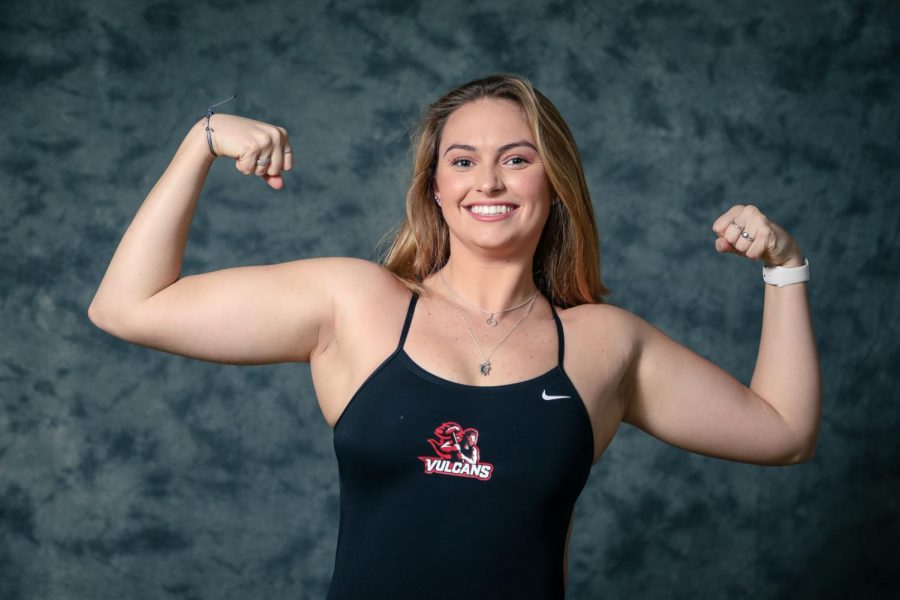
<point>456,453</point>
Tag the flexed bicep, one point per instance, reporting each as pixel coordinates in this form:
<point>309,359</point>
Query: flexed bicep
<point>244,315</point>
<point>684,399</point>
<point>260,314</point>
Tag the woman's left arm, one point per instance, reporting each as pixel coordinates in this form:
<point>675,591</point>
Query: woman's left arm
<point>682,398</point>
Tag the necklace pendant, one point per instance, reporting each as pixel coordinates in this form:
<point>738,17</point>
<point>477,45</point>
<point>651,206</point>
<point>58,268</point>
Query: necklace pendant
<point>491,321</point>
<point>486,368</point>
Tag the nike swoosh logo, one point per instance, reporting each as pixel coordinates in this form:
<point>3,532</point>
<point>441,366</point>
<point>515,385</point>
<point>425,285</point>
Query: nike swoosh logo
<point>546,397</point>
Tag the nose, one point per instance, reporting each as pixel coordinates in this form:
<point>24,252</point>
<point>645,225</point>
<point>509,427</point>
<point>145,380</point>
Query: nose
<point>489,180</point>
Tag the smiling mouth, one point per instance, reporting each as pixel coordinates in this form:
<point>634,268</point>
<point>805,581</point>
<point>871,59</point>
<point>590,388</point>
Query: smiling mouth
<point>490,209</point>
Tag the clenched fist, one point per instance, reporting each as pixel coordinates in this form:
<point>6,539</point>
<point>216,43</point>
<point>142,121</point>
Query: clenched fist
<point>745,231</point>
<point>257,148</point>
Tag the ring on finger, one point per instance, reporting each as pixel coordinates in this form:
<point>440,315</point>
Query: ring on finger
<point>263,162</point>
<point>747,236</point>
<point>287,151</point>
<point>734,224</point>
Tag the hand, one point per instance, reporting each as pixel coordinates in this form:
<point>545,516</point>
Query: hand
<point>767,240</point>
<point>248,141</point>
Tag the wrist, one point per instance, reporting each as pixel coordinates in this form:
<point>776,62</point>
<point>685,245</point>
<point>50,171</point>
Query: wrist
<point>786,274</point>
<point>195,143</point>
<point>207,125</point>
<point>795,260</point>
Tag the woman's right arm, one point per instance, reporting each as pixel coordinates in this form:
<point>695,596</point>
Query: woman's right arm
<point>243,315</point>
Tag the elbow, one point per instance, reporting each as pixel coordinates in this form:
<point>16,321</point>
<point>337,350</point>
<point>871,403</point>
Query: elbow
<point>97,316</point>
<point>805,449</point>
<point>801,453</point>
<point>804,455</point>
<point>93,314</point>
<point>104,319</point>
<point>800,442</point>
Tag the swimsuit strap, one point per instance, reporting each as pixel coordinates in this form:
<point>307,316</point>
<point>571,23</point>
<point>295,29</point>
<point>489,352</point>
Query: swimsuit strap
<point>561,339</point>
<point>409,316</point>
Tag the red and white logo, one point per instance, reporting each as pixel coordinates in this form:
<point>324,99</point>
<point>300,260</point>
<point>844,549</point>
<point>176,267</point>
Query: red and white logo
<point>456,453</point>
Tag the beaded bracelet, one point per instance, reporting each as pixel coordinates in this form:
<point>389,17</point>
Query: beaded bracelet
<point>210,113</point>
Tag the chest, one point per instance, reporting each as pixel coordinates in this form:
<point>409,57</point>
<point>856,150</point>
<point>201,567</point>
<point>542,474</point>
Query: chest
<point>440,345</point>
<point>412,429</point>
<point>454,345</point>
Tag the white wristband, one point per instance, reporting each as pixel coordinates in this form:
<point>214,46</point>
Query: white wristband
<point>782,276</point>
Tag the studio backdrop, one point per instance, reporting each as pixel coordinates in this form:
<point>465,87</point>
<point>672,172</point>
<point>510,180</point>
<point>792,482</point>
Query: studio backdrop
<point>130,473</point>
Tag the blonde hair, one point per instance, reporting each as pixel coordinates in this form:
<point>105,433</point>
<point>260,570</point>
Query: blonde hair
<point>566,264</point>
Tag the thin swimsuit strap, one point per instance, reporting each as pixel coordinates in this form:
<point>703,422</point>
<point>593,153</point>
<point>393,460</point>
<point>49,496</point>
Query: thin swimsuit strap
<point>409,316</point>
<point>561,339</point>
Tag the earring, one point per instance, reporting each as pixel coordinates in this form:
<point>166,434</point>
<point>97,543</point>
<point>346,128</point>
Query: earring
<point>437,199</point>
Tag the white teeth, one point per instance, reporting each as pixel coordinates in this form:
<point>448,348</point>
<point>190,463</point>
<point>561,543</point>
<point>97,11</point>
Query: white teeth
<point>490,209</point>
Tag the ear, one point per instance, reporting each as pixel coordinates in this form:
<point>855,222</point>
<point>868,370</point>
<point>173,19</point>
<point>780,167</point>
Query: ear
<point>435,192</point>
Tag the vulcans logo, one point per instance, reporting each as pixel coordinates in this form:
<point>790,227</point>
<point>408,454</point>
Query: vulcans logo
<point>456,453</point>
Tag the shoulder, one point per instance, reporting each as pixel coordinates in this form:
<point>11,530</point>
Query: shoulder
<point>602,342</point>
<point>600,332</point>
<point>339,266</point>
<point>601,324</point>
<point>359,289</point>
<point>361,299</point>
<point>340,289</point>
<point>343,277</point>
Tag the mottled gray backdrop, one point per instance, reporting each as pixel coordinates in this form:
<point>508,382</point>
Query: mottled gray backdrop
<point>128,473</point>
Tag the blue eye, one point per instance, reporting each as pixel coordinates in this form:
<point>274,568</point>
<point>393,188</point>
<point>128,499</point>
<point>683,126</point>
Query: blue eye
<point>462,162</point>
<point>517,161</point>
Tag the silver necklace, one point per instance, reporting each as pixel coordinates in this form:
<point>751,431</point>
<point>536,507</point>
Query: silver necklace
<point>491,320</point>
<point>485,367</point>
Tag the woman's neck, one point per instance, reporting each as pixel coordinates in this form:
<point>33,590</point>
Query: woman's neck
<point>487,284</point>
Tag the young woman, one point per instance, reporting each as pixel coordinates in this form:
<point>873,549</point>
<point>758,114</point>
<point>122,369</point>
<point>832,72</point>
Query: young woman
<point>487,314</point>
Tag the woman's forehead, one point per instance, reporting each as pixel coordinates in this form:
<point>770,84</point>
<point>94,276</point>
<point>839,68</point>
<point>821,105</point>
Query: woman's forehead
<point>486,122</point>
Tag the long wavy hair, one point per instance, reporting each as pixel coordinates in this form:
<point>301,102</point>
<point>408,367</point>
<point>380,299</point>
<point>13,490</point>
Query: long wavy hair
<point>566,264</point>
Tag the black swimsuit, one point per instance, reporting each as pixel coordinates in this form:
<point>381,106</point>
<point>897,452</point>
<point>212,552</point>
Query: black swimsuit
<point>417,521</point>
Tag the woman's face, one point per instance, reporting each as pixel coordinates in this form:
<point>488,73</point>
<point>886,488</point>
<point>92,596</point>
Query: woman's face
<point>494,191</point>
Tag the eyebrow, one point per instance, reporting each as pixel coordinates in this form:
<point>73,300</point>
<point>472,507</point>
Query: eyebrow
<point>500,150</point>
